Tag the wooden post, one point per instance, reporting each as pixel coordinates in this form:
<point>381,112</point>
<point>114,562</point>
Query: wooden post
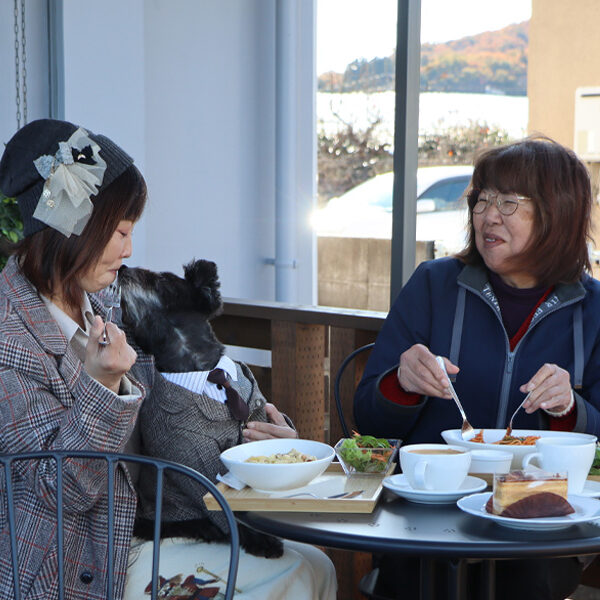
<point>297,358</point>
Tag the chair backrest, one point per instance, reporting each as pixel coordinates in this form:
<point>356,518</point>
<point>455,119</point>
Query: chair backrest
<point>344,405</point>
<point>112,459</point>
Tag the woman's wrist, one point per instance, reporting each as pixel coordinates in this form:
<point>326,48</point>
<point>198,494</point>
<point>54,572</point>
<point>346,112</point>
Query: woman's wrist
<point>565,411</point>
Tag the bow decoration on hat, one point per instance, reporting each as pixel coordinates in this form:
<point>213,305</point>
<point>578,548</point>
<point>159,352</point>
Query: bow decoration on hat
<point>72,175</point>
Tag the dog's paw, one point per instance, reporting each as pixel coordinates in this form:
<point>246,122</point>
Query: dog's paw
<point>259,544</point>
<point>197,529</point>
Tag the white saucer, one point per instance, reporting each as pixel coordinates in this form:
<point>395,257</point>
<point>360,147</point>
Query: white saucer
<point>591,489</point>
<point>586,510</point>
<point>400,486</point>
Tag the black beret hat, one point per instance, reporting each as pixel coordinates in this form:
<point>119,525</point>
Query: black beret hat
<point>19,177</point>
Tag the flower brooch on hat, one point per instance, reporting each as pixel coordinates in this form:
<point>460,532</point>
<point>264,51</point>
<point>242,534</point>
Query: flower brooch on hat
<point>72,176</point>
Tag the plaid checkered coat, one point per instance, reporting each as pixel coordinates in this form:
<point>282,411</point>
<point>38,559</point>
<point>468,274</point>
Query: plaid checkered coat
<point>191,429</point>
<point>47,401</point>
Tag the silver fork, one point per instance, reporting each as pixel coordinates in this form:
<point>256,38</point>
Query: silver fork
<point>342,495</point>
<point>110,297</point>
<point>509,428</point>
<point>467,431</point>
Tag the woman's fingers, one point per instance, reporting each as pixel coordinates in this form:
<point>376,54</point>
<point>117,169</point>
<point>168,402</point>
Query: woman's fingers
<point>277,427</point>
<point>550,389</point>
<point>107,364</point>
<point>420,373</point>
<point>258,430</point>
<point>274,415</point>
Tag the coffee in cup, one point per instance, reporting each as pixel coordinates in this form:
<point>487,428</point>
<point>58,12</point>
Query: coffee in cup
<point>565,454</point>
<point>436,467</point>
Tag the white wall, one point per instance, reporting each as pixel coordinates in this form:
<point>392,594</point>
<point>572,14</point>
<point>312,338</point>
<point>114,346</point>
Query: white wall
<point>188,88</point>
<point>104,79</point>
<point>210,111</point>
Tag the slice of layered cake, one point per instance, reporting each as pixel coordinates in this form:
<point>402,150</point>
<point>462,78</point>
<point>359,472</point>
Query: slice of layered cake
<point>528,495</point>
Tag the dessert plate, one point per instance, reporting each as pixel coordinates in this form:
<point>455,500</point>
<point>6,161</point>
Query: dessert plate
<point>398,484</point>
<point>586,510</point>
<point>591,489</point>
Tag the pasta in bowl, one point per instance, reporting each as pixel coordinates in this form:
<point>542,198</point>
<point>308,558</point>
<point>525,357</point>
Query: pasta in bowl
<point>278,464</point>
<point>493,437</point>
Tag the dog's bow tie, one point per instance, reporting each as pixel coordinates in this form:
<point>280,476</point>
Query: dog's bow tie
<point>237,407</point>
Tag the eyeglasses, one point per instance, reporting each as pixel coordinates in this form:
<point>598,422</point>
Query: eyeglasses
<point>507,203</point>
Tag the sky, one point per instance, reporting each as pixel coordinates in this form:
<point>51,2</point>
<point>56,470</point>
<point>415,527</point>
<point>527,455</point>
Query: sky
<point>350,29</point>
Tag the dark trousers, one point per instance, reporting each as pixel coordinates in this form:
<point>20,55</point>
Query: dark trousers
<point>534,579</point>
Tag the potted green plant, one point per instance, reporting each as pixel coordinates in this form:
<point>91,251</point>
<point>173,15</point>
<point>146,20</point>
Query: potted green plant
<point>11,226</point>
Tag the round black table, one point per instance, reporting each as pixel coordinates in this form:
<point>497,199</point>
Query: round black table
<point>430,532</point>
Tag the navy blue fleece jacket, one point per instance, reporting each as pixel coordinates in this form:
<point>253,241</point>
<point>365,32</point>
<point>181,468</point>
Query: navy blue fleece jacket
<point>451,309</point>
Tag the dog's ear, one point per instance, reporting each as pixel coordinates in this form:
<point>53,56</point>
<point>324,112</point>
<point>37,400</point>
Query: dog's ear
<point>202,276</point>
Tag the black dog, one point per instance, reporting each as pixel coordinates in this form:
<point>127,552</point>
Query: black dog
<point>168,317</point>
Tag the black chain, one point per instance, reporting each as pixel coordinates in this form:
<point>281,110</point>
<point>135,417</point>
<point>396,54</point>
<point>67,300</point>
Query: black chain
<point>17,66</point>
<point>23,63</point>
<point>20,64</point>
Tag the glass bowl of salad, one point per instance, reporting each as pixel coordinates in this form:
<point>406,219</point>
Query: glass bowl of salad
<point>365,454</point>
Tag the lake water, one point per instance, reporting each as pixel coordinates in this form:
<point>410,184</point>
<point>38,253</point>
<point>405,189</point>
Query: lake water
<point>437,111</point>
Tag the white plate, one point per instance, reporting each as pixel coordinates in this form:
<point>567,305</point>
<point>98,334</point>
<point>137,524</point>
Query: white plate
<point>586,510</point>
<point>400,486</point>
<point>454,438</point>
<point>591,489</point>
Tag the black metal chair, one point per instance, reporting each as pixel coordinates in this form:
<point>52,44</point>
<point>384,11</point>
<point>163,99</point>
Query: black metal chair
<point>336,386</point>
<point>112,459</point>
<point>368,584</point>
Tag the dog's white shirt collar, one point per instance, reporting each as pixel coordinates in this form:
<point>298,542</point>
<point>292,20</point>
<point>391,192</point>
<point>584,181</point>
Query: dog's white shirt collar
<point>196,381</point>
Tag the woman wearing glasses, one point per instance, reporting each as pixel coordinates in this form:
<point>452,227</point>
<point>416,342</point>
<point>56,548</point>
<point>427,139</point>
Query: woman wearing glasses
<point>515,312</point>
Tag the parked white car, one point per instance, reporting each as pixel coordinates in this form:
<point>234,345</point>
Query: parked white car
<point>366,210</point>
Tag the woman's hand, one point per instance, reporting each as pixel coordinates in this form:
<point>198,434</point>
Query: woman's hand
<point>107,364</point>
<point>420,373</point>
<point>550,389</point>
<point>277,427</point>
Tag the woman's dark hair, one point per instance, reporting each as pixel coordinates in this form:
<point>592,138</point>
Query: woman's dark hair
<point>50,260</point>
<point>558,184</point>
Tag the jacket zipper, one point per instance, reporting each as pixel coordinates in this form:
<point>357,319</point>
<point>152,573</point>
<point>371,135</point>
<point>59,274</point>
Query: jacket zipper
<point>511,355</point>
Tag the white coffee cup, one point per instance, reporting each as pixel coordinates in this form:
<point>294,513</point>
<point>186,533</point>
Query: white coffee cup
<point>438,467</point>
<point>564,455</point>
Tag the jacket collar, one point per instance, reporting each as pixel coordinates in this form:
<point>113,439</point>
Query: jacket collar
<point>475,277</point>
<point>27,304</point>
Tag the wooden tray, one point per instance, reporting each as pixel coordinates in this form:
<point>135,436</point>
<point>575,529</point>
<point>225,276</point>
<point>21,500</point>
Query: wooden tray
<point>333,481</point>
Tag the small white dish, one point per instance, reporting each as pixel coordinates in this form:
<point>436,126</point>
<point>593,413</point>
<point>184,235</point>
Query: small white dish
<point>586,510</point>
<point>490,461</point>
<point>398,484</point>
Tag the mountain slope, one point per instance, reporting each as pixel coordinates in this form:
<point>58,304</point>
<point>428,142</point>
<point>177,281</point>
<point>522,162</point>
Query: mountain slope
<point>493,61</point>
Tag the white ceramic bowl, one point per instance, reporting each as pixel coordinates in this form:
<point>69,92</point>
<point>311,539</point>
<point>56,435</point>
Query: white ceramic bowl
<point>490,461</point>
<point>275,477</point>
<point>453,436</point>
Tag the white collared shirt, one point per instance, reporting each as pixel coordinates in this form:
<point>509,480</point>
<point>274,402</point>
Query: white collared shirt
<point>196,381</point>
<point>78,339</point>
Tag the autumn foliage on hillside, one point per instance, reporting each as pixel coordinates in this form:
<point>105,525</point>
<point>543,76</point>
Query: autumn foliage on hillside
<point>493,61</point>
